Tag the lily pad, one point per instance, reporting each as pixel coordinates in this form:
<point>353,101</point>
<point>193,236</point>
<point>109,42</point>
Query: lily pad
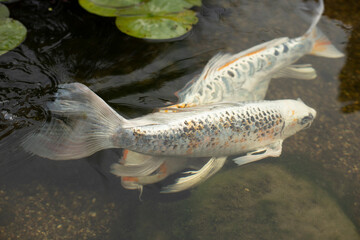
<point>152,19</point>
<point>157,19</point>
<point>164,26</point>
<point>194,2</point>
<point>107,8</point>
<point>116,3</point>
<point>91,7</point>
<point>4,11</point>
<point>157,7</point>
<point>12,33</point>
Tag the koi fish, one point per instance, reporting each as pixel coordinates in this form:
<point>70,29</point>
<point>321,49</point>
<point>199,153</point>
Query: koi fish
<point>82,124</point>
<point>244,76</point>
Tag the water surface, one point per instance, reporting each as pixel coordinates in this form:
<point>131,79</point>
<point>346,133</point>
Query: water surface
<point>310,192</point>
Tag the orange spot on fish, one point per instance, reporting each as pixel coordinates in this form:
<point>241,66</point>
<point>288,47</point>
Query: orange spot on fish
<point>189,151</point>
<point>125,153</point>
<point>254,52</point>
<point>130,179</point>
<point>206,73</point>
<point>246,55</point>
<point>172,108</point>
<point>162,170</point>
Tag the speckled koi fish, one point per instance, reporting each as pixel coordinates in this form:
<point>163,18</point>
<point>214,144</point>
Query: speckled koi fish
<point>245,76</point>
<point>214,130</point>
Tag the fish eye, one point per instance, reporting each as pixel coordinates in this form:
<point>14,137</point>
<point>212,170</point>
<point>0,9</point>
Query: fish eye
<point>306,119</point>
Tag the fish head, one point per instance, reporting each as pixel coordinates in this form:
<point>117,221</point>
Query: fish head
<point>297,116</point>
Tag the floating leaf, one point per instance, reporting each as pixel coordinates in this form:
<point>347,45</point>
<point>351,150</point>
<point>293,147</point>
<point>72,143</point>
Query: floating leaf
<point>4,11</point>
<point>107,8</point>
<point>91,7</point>
<point>157,19</point>
<point>157,7</point>
<point>157,27</point>
<point>116,3</point>
<point>12,33</point>
<point>153,19</point>
<point>194,2</point>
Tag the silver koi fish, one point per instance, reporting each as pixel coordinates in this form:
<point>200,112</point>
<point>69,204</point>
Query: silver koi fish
<point>244,76</point>
<point>82,124</point>
<point>215,130</point>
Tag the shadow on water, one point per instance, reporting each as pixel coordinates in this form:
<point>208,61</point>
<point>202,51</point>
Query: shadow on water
<point>316,178</point>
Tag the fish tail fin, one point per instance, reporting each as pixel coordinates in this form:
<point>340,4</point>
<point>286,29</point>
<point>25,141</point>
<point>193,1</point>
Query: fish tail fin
<point>321,44</point>
<point>81,124</point>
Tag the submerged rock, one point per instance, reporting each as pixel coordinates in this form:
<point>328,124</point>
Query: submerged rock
<point>263,201</point>
<point>258,201</point>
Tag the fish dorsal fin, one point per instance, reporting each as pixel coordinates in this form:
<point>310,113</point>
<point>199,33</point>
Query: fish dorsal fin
<point>175,107</point>
<point>196,108</point>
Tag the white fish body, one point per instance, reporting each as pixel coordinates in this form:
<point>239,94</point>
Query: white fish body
<point>82,124</point>
<point>245,76</point>
<point>213,130</point>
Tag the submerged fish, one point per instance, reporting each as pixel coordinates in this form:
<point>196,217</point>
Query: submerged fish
<point>244,76</point>
<point>82,124</point>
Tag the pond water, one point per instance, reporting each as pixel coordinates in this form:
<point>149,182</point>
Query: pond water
<point>312,191</point>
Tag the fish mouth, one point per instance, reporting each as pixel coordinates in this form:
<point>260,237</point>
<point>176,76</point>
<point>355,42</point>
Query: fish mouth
<point>308,125</point>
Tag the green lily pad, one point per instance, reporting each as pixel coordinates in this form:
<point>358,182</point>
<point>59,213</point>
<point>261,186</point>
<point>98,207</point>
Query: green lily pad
<point>157,27</point>
<point>12,33</point>
<point>194,2</point>
<point>152,19</point>
<point>91,7</point>
<point>107,8</point>
<point>4,11</point>
<point>116,3</point>
<point>157,7</point>
<point>157,19</point>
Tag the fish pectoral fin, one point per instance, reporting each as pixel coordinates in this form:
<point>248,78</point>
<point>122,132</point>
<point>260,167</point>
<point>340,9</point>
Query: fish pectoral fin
<point>196,177</point>
<point>273,150</point>
<point>298,71</point>
<point>132,182</point>
<point>136,164</point>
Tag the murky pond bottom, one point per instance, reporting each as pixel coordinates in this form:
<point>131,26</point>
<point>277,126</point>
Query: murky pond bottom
<point>310,192</point>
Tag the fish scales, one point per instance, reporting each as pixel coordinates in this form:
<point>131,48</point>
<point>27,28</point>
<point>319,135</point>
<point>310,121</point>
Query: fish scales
<point>219,132</point>
<point>239,73</point>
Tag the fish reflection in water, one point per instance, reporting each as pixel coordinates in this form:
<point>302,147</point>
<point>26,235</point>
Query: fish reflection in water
<point>209,121</point>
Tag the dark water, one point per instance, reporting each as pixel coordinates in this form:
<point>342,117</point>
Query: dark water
<point>310,192</point>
